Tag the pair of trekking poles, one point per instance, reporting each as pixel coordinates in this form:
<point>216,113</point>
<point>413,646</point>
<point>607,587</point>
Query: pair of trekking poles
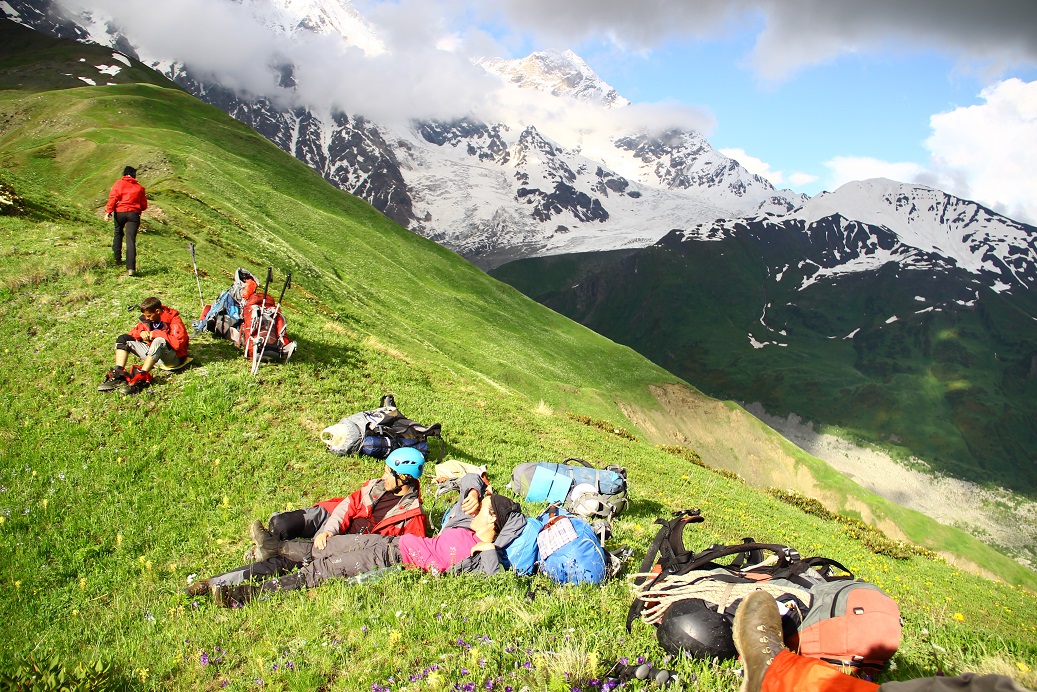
<point>266,318</point>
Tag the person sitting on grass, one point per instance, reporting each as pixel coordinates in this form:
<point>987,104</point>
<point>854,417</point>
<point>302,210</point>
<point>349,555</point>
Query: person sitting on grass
<point>350,555</point>
<point>770,667</point>
<point>159,337</point>
<point>389,506</point>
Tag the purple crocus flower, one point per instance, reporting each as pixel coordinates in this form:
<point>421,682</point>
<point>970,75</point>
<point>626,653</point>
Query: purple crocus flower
<point>204,659</point>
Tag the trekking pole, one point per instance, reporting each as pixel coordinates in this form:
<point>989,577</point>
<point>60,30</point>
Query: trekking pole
<point>196,279</point>
<point>273,323</point>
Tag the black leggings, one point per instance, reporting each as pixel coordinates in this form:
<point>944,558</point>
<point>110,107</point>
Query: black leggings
<point>126,224</point>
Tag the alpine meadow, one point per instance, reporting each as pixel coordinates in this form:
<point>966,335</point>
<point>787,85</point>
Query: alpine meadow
<point>109,503</point>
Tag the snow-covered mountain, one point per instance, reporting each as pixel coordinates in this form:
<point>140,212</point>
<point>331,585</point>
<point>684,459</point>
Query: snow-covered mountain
<point>866,224</point>
<point>492,191</point>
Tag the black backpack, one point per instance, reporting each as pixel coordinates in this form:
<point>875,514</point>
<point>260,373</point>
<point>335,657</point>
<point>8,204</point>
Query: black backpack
<point>691,598</point>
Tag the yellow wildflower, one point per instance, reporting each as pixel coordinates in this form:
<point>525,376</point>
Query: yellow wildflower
<point>959,617</point>
<point>118,539</point>
<point>82,583</point>
<point>44,503</point>
<point>1023,668</point>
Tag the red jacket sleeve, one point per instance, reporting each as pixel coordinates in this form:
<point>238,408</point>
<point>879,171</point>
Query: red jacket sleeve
<point>176,337</point>
<point>135,332</point>
<point>113,197</point>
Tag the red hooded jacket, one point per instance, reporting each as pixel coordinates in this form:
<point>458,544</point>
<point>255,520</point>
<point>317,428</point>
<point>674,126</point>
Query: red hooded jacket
<point>126,195</point>
<point>172,330</point>
<point>405,517</point>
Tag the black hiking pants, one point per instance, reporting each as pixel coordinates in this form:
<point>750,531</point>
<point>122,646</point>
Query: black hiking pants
<point>126,225</point>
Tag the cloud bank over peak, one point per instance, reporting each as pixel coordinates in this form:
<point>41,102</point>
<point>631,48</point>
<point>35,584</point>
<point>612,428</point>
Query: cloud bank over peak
<point>792,34</point>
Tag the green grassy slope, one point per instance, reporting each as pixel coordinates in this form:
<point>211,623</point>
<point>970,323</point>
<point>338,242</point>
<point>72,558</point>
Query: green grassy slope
<point>108,503</point>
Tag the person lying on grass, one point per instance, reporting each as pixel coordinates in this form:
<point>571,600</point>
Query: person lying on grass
<point>386,506</point>
<point>350,555</point>
<point>390,506</point>
<point>160,337</point>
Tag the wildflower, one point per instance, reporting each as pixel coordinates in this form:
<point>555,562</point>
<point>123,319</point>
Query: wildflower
<point>44,503</point>
<point>204,659</point>
<point>75,612</point>
<point>118,539</point>
<point>1023,668</point>
<point>2,518</point>
<point>172,567</point>
<point>959,617</point>
<point>142,673</point>
<point>226,501</point>
<point>82,583</point>
<point>18,584</point>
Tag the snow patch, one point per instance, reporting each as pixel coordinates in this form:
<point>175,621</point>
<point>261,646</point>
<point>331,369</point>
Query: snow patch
<point>89,81</point>
<point>852,334</point>
<point>8,10</point>
<point>892,319</point>
<point>920,298</point>
<point>123,59</point>
<point>109,69</point>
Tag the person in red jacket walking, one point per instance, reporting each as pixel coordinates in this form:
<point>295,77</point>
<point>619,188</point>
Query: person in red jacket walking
<point>159,337</point>
<point>126,200</point>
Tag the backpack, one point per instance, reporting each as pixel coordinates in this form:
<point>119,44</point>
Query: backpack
<point>264,331</point>
<point>691,598</point>
<point>223,318</point>
<point>378,432</point>
<point>522,554</point>
<point>570,552</point>
<point>585,491</point>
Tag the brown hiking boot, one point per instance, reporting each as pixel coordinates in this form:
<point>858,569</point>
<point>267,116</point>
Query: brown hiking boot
<point>758,637</point>
<point>198,588</point>
<point>266,545</point>
<point>226,596</point>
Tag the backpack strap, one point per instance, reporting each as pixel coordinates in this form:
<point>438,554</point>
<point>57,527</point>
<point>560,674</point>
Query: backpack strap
<point>580,461</point>
<point>669,544</point>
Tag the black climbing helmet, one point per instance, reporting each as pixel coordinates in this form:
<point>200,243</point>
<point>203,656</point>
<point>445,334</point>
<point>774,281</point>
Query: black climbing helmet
<point>690,625</point>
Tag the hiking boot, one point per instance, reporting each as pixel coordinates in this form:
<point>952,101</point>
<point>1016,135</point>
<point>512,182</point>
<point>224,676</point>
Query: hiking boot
<point>250,555</point>
<point>388,401</point>
<point>227,596</point>
<point>198,588</point>
<point>137,380</point>
<point>266,545</point>
<point>113,379</point>
<point>758,637</point>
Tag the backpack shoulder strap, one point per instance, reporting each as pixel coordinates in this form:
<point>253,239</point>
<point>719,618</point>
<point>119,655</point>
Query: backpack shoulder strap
<point>580,461</point>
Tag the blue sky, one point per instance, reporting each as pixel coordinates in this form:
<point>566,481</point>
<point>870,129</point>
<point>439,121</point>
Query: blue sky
<point>856,105</point>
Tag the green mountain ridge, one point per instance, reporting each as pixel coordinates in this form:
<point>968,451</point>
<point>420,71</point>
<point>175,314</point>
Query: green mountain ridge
<point>109,503</point>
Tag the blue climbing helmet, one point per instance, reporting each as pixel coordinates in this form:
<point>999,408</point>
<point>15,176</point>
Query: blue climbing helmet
<point>406,461</point>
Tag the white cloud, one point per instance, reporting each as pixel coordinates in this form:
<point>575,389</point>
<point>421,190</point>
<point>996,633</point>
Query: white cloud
<point>802,179</point>
<point>843,169</point>
<point>755,165</point>
<point>988,152</point>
